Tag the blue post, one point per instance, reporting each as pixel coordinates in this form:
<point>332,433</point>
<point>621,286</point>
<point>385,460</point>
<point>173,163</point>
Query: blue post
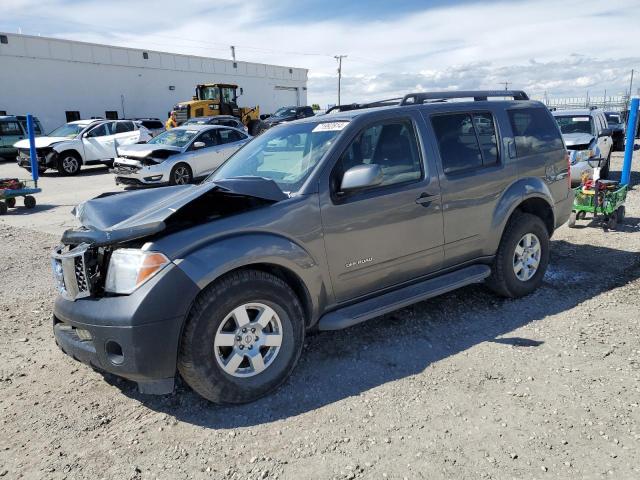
<point>32,150</point>
<point>632,124</point>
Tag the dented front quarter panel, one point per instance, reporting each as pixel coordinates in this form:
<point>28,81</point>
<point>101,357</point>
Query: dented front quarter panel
<point>286,234</point>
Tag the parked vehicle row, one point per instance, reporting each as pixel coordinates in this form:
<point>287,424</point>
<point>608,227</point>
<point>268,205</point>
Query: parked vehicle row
<point>220,282</point>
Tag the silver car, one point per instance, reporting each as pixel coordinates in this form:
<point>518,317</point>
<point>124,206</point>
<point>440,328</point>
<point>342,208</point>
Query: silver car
<point>177,156</point>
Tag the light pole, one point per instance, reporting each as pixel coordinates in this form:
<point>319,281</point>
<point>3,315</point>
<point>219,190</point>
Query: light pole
<point>339,59</point>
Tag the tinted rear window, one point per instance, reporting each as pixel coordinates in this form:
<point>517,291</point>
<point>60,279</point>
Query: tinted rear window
<point>535,131</point>
<point>152,124</point>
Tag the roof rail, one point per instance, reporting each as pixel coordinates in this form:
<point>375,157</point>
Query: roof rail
<point>359,106</point>
<point>477,95</point>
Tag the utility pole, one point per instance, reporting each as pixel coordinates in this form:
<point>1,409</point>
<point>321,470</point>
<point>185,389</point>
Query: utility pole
<point>506,85</point>
<point>630,90</point>
<point>233,53</point>
<point>339,59</point>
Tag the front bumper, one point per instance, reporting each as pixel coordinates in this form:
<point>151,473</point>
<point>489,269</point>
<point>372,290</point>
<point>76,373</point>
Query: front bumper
<point>140,176</point>
<point>44,161</point>
<point>132,336</point>
<point>579,168</point>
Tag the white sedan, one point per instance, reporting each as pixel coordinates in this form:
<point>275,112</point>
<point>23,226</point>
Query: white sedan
<point>83,142</point>
<point>178,156</point>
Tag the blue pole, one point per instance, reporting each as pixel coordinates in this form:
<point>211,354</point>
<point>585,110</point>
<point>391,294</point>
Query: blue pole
<point>32,149</point>
<point>632,124</point>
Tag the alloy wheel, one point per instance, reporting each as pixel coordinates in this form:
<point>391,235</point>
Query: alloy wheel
<point>70,164</point>
<point>181,176</point>
<point>248,340</point>
<point>526,257</point>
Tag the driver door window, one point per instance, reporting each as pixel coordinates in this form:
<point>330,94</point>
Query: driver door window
<point>392,145</point>
<point>208,138</point>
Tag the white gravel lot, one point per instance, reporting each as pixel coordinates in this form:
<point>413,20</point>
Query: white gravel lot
<point>466,385</point>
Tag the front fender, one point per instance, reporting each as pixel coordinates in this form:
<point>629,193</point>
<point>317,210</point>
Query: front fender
<point>209,262</point>
<point>519,191</point>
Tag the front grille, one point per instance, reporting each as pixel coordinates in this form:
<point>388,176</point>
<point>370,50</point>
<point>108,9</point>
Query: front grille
<point>71,271</point>
<point>123,169</point>
<point>182,113</point>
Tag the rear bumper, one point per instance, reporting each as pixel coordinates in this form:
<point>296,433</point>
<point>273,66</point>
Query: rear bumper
<point>132,336</point>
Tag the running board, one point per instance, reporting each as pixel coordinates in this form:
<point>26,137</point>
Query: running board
<point>388,302</point>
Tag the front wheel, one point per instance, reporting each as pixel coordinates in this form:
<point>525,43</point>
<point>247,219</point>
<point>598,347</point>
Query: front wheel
<point>181,174</point>
<point>69,164</point>
<point>243,337</point>
<point>522,257</point>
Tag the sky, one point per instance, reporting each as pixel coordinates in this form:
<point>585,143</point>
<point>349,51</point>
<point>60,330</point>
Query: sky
<point>558,48</point>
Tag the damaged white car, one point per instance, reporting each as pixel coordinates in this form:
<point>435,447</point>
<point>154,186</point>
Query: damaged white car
<point>83,142</point>
<point>178,156</point>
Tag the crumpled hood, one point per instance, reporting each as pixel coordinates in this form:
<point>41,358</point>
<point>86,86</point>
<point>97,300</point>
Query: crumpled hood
<point>571,139</point>
<point>141,150</point>
<point>41,142</point>
<point>117,217</point>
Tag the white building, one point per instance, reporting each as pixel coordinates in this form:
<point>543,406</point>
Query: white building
<point>57,80</point>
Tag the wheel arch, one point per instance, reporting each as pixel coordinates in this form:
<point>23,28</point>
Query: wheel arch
<point>74,151</point>
<point>528,195</point>
<point>265,252</point>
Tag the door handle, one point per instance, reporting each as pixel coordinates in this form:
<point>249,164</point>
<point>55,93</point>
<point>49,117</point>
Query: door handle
<point>425,199</point>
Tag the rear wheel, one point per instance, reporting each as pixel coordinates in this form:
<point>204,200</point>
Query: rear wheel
<point>29,201</point>
<point>622,212</point>
<point>522,257</point>
<point>181,174</point>
<point>243,337</point>
<point>610,223</point>
<point>69,163</point>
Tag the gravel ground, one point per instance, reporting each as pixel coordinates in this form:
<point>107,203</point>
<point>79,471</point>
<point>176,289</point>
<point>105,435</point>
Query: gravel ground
<point>466,385</point>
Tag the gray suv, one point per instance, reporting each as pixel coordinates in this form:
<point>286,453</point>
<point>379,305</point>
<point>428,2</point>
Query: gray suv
<point>321,223</point>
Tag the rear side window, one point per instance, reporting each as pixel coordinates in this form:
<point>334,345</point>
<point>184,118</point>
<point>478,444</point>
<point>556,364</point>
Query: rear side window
<point>534,131</point>
<point>466,141</point>
<point>124,127</point>
<point>10,128</point>
<point>152,124</point>
<point>227,136</point>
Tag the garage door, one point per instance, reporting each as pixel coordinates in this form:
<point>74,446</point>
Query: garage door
<point>285,97</point>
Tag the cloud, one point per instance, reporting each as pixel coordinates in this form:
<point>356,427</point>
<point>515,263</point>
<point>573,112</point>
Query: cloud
<point>563,48</point>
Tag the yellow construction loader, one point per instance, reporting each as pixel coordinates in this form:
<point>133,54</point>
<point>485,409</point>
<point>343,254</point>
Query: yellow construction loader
<point>217,99</point>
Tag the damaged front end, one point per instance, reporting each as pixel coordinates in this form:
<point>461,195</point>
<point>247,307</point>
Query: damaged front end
<point>141,164</point>
<point>129,220</point>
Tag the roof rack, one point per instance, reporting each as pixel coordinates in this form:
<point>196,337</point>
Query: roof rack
<point>359,106</point>
<point>477,95</point>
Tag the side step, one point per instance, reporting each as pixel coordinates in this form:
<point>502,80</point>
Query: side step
<point>388,302</point>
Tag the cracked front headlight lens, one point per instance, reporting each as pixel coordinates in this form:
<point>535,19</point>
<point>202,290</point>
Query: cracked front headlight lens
<point>129,268</point>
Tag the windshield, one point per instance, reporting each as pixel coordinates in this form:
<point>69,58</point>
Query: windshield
<point>613,119</point>
<point>174,137</point>
<point>285,112</point>
<point>68,130</point>
<point>209,93</point>
<point>575,124</point>
<point>284,154</point>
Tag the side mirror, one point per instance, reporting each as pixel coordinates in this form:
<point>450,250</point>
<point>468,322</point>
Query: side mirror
<point>605,132</point>
<point>361,177</point>
<point>197,145</point>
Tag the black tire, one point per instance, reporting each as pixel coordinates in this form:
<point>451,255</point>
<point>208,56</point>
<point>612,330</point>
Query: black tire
<point>572,219</point>
<point>197,362</point>
<point>69,163</point>
<point>29,201</point>
<point>181,174</point>
<point>622,213</point>
<point>3,208</point>
<point>604,170</point>
<point>254,127</point>
<point>503,279</point>
<point>11,202</point>
<point>610,223</point>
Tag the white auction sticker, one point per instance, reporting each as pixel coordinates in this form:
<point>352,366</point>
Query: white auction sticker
<point>580,119</point>
<point>330,126</point>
